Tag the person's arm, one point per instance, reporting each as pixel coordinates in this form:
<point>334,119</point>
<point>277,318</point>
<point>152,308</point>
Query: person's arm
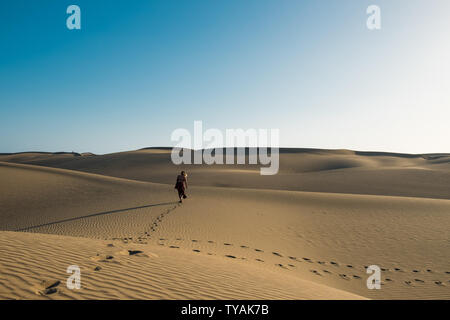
<point>185,180</point>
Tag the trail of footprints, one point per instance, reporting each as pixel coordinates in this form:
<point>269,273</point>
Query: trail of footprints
<point>51,286</point>
<point>143,238</point>
<point>334,267</point>
<point>48,287</point>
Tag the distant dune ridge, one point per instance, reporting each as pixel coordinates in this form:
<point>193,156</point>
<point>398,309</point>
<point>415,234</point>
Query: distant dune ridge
<point>315,170</point>
<point>306,233</point>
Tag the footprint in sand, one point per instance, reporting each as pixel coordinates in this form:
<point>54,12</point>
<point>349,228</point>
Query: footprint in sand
<point>137,253</point>
<point>227,244</point>
<point>357,277</point>
<point>344,276</point>
<point>317,273</point>
<point>397,269</point>
<point>195,250</point>
<point>293,258</point>
<point>408,283</point>
<point>334,263</point>
<point>259,260</point>
<point>280,265</point>
<point>349,266</point>
<point>194,240</point>
<point>210,241</point>
<point>307,259</point>
<point>429,271</point>
<point>110,245</point>
<point>321,262</point>
<point>439,283</point>
<point>277,254</point>
<point>47,287</point>
<point>48,291</point>
<point>106,259</point>
<point>419,280</point>
<point>291,265</point>
<point>134,252</point>
<point>326,271</point>
<point>230,256</point>
<point>174,247</point>
<point>258,250</point>
<point>416,271</point>
<point>244,247</point>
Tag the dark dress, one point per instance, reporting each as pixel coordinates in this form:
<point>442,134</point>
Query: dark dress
<point>180,186</point>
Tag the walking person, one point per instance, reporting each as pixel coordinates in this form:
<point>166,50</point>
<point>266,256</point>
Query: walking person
<point>181,185</point>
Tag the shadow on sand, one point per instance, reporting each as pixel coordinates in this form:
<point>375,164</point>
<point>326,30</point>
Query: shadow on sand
<point>96,215</point>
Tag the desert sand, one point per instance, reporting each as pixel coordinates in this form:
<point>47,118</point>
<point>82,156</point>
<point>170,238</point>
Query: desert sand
<point>307,233</point>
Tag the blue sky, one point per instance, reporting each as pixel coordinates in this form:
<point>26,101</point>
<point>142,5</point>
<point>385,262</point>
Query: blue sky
<point>137,70</point>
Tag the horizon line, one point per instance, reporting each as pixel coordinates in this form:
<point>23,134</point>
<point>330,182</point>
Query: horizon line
<point>304,149</point>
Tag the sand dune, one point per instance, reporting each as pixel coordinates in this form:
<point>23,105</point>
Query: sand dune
<point>33,196</point>
<point>110,271</point>
<point>315,170</point>
<point>221,243</point>
<point>27,259</point>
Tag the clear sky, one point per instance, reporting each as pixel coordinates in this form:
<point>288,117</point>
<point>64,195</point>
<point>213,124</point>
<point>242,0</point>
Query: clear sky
<point>137,70</point>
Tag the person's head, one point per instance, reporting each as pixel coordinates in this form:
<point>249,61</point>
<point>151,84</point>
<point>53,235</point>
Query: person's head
<point>183,173</point>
